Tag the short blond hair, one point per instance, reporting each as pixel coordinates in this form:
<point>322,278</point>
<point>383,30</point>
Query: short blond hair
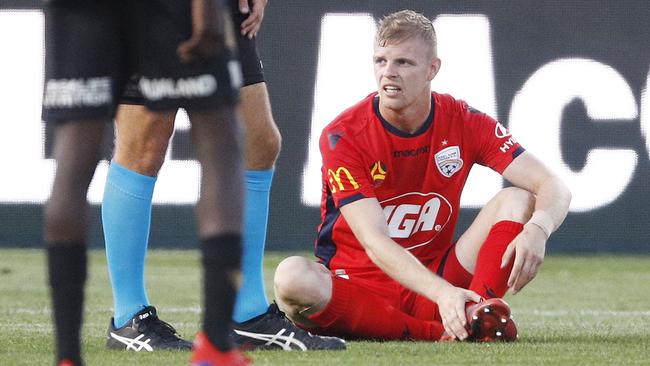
<point>406,24</point>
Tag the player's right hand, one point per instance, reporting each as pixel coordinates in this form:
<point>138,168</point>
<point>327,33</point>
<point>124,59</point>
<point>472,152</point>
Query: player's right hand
<point>207,38</point>
<point>251,25</point>
<point>451,305</point>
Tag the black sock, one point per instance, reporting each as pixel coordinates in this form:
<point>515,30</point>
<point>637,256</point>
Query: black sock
<point>221,263</point>
<point>67,276</point>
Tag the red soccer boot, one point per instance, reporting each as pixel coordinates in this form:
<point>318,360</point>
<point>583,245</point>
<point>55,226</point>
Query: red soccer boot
<point>490,321</point>
<point>204,353</point>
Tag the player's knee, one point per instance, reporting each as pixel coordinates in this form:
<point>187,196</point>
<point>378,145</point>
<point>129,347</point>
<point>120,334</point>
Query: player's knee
<point>264,148</point>
<point>293,279</point>
<point>61,227</point>
<point>144,154</point>
<point>272,145</point>
<point>516,204</point>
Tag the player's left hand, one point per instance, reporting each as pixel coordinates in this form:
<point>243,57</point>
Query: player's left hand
<point>528,248</point>
<point>251,25</point>
<point>207,38</point>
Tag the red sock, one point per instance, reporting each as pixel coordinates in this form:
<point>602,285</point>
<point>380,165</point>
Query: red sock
<point>355,311</point>
<point>490,280</point>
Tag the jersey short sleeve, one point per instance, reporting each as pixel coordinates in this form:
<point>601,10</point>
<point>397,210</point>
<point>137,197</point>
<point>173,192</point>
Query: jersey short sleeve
<point>343,170</point>
<point>495,147</point>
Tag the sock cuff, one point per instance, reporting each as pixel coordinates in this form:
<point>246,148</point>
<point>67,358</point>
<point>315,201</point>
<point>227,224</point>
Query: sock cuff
<point>507,226</point>
<point>259,180</point>
<point>222,251</point>
<point>67,265</point>
<point>338,304</point>
<point>130,182</point>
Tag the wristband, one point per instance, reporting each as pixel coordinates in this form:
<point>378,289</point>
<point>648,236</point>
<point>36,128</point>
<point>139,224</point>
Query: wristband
<point>543,220</point>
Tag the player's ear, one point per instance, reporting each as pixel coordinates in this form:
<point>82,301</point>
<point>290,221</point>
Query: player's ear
<point>434,67</point>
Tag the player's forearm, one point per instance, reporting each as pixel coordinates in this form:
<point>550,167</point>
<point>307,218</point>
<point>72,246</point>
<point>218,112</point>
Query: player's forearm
<point>404,268</point>
<point>368,223</point>
<point>551,205</point>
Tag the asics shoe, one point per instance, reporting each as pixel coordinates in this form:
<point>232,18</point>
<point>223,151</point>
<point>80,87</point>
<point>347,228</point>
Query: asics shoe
<point>145,332</point>
<point>206,354</point>
<point>490,321</point>
<point>273,330</point>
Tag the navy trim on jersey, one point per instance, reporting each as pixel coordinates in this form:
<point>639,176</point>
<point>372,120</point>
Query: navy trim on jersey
<point>325,246</point>
<point>520,150</point>
<point>392,129</point>
<point>354,197</point>
<point>443,261</point>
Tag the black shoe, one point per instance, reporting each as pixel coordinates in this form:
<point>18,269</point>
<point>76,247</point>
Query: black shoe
<point>272,330</point>
<point>145,332</point>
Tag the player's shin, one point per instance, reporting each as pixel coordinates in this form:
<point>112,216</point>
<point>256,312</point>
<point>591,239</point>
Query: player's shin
<point>490,280</point>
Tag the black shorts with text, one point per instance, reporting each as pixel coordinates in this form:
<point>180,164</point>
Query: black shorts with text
<point>249,59</point>
<point>94,47</point>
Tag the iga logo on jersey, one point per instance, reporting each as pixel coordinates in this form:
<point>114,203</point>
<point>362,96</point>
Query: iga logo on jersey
<point>414,219</point>
<point>448,161</point>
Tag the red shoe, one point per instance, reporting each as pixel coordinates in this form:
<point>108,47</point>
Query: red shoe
<point>205,354</point>
<point>490,321</point>
<point>65,362</point>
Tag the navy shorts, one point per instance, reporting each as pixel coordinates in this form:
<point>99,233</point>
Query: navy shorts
<point>94,47</point>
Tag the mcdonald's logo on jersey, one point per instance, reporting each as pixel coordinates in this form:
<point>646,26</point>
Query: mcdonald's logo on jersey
<point>378,173</point>
<point>341,180</point>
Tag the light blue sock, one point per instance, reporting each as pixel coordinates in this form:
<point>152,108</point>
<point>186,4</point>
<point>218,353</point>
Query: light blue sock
<point>251,298</point>
<point>126,217</point>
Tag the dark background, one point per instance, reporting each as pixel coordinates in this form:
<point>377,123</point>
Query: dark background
<point>525,36</point>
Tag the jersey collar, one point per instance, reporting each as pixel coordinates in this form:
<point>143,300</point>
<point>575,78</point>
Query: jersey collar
<point>395,131</point>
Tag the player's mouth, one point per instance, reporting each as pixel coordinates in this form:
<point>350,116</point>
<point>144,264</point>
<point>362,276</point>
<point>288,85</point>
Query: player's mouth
<point>391,90</point>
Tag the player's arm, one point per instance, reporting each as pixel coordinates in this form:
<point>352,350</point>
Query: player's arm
<point>368,223</point>
<point>208,31</point>
<point>551,207</point>
<point>255,10</point>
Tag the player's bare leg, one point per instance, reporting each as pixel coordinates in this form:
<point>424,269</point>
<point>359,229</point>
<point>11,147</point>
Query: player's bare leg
<point>480,250</point>
<point>509,204</point>
<point>263,139</point>
<point>217,139</point>
<point>77,150</point>
<point>302,288</point>
<point>315,299</point>
<point>141,140</point>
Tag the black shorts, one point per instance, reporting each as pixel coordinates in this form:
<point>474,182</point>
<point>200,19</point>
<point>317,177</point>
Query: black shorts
<point>249,59</point>
<point>94,47</point>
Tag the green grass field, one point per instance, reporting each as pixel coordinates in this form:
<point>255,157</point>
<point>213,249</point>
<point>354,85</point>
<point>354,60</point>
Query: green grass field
<point>579,311</point>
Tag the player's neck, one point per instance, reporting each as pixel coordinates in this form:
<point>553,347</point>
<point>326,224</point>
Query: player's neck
<point>409,119</point>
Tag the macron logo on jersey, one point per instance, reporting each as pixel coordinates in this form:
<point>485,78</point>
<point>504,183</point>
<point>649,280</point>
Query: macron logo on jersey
<point>71,93</point>
<point>414,219</point>
<point>190,87</point>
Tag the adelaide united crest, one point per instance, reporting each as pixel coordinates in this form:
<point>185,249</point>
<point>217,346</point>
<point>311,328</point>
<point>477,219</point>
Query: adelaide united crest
<point>448,161</point>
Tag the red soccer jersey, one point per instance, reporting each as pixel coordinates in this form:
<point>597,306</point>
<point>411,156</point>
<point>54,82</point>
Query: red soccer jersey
<point>417,178</point>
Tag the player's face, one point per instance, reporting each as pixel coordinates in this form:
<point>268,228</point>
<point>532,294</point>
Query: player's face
<point>403,72</point>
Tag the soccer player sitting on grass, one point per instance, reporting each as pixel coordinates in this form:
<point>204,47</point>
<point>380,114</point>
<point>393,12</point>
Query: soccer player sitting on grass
<point>394,166</point>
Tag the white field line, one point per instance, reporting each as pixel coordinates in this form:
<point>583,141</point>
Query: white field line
<point>197,310</point>
<point>584,312</point>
